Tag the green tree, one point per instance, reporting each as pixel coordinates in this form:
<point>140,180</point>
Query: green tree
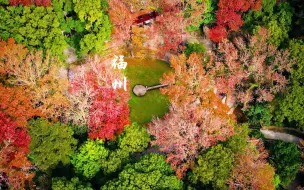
<point>135,138</point>
<point>98,26</point>
<point>280,24</point>
<point>115,161</point>
<point>90,10</point>
<point>151,172</point>
<point>259,115</point>
<point>238,142</point>
<point>35,27</point>
<point>289,107</point>
<point>213,167</point>
<point>73,184</point>
<point>63,5</point>
<point>87,160</point>
<point>285,157</point>
<point>276,18</point>
<point>4,2</point>
<point>97,35</point>
<point>70,24</point>
<point>209,13</point>
<point>50,144</point>
<point>194,48</point>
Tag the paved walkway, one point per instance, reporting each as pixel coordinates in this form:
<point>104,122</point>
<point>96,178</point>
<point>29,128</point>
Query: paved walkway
<point>280,136</point>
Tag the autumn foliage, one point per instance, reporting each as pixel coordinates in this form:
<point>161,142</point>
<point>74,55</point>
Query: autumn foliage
<point>17,104</point>
<point>14,141</point>
<point>109,114</point>
<point>13,135</point>
<point>11,54</point>
<point>229,17</point>
<point>41,77</point>
<point>252,170</point>
<point>167,30</point>
<point>249,69</point>
<point>198,118</point>
<point>96,103</point>
<point>122,20</point>
<point>44,3</point>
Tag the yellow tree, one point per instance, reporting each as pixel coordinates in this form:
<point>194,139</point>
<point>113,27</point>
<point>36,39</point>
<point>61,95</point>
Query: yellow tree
<point>137,42</point>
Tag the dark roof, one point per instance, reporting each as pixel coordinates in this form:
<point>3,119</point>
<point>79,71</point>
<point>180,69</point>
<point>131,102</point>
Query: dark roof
<point>145,17</point>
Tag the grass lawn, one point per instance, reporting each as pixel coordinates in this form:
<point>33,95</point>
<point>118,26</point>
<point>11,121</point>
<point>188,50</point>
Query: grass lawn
<point>146,72</point>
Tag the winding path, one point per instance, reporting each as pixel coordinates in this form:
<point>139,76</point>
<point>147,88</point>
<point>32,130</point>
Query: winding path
<point>276,133</point>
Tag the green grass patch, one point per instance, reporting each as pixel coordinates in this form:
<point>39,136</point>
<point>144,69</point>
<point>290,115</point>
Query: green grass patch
<point>148,73</point>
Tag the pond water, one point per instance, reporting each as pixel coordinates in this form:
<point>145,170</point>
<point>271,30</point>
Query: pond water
<point>146,72</point>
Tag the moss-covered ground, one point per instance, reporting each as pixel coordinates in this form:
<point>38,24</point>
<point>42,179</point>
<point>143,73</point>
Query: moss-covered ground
<point>146,72</point>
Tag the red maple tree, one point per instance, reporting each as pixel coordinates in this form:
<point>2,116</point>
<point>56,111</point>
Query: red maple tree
<point>108,114</point>
<point>96,103</point>
<point>229,17</point>
<point>44,3</point>
<point>14,141</point>
<point>10,133</point>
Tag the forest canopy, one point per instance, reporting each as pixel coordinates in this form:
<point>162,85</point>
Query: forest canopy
<point>151,94</point>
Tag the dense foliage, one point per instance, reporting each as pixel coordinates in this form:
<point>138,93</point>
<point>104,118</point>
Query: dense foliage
<point>74,183</point>
<point>194,48</point>
<point>51,144</point>
<point>91,93</point>
<point>213,167</point>
<point>229,18</point>
<point>86,161</point>
<point>259,115</point>
<point>250,72</point>
<point>251,170</point>
<point>195,123</point>
<point>286,158</point>
<point>151,172</point>
<point>35,27</point>
<point>71,119</point>
<point>135,138</point>
<point>43,28</point>
<point>40,76</point>
<point>275,17</point>
<point>290,106</point>
<point>14,165</point>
